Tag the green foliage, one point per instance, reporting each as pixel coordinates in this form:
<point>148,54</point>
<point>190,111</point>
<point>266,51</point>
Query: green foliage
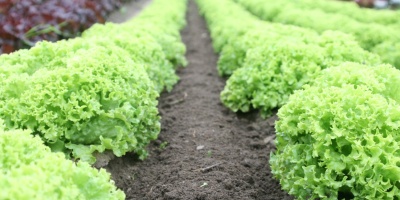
<point>142,48</point>
<point>170,42</point>
<point>336,138</point>
<point>389,52</point>
<point>29,170</point>
<point>352,10</point>
<point>272,72</point>
<point>163,20</point>
<point>270,60</point>
<point>381,79</point>
<point>234,54</point>
<point>163,145</point>
<point>223,27</point>
<point>97,92</point>
<point>171,14</point>
<point>83,99</point>
<point>209,153</point>
<point>339,137</point>
<point>369,35</point>
<point>284,64</point>
<point>153,37</point>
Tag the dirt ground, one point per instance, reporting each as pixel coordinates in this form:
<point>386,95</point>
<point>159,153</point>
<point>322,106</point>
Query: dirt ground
<point>204,151</point>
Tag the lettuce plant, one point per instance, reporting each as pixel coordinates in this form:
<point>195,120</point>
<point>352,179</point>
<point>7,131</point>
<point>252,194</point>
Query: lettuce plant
<point>163,20</point>
<point>169,41</point>
<point>272,72</point>
<point>234,53</point>
<point>82,100</point>
<point>352,10</point>
<point>142,49</point>
<point>225,29</point>
<point>369,35</point>
<point>380,79</point>
<point>389,52</point>
<point>29,170</point>
<point>88,94</point>
<point>160,21</point>
<point>339,137</point>
<point>266,61</point>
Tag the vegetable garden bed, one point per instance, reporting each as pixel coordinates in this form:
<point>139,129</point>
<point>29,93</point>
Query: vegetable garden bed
<point>204,151</point>
<point>119,97</point>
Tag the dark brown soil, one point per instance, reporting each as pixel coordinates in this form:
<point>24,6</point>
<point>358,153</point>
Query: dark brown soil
<point>204,151</point>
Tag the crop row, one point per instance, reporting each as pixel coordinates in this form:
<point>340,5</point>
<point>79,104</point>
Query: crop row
<point>85,96</point>
<point>336,135</point>
<point>352,10</point>
<point>381,39</point>
<point>268,61</point>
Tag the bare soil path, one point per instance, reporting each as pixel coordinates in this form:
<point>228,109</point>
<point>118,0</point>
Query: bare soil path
<point>204,151</point>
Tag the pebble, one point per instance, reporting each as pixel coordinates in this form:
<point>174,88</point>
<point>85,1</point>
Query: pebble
<point>200,147</point>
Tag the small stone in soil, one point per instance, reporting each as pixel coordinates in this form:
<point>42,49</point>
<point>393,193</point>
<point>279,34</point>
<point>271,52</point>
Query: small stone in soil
<point>269,139</point>
<point>200,147</point>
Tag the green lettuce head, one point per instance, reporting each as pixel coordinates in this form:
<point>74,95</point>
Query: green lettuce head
<point>339,138</point>
<point>29,170</point>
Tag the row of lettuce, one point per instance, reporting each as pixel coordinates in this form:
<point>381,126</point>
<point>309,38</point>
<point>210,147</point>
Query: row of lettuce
<point>377,36</point>
<point>336,135</point>
<point>266,61</point>
<point>352,10</point>
<point>85,96</point>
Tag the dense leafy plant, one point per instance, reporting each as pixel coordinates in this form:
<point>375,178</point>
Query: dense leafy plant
<point>270,60</point>
<point>224,29</point>
<point>160,20</point>
<point>339,137</point>
<point>156,40</point>
<point>389,52</point>
<point>234,53</point>
<point>170,43</point>
<point>369,35</point>
<point>142,48</point>
<point>92,94</point>
<point>25,22</point>
<point>84,100</point>
<point>29,170</point>
<point>157,19</point>
<point>272,72</point>
<point>380,79</point>
<point>352,10</point>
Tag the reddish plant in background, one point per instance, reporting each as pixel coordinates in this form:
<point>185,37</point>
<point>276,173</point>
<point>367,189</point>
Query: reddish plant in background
<point>25,22</point>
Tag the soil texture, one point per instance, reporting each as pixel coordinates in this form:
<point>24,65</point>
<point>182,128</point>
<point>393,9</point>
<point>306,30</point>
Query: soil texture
<point>204,151</point>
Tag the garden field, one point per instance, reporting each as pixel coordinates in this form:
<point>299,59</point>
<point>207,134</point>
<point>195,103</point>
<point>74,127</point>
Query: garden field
<point>209,152</point>
<point>204,100</point>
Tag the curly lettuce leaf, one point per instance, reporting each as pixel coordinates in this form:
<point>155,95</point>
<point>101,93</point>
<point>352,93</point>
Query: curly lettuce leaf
<point>31,171</point>
<point>339,137</point>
